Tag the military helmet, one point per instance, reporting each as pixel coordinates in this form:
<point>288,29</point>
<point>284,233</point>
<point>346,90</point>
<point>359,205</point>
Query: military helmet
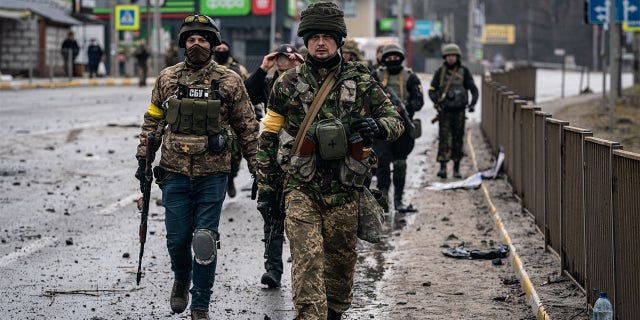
<point>202,25</point>
<point>392,49</point>
<point>351,46</point>
<point>451,48</point>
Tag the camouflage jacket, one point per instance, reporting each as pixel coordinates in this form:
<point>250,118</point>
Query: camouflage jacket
<point>286,111</point>
<point>236,114</point>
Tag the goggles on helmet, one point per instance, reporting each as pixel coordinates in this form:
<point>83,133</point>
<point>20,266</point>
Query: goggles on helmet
<point>198,18</point>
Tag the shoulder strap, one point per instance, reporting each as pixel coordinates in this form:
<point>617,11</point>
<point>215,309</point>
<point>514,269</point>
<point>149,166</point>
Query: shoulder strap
<point>446,88</point>
<point>313,110</point>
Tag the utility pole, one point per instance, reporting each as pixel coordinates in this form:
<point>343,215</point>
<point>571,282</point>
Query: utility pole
<point>614,46</point>
<point>113,40</point>
<point>471,35</point>
<point>272,28</point>
<point>158,44</point>
<point>399,22</point>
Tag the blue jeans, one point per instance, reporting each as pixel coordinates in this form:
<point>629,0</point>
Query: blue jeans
<point>192,204</point>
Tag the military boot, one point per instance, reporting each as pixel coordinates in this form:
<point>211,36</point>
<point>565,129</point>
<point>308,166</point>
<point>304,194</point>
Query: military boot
<point>179,297</point>
<point>456,170</point>
<point>199,314</point>
<point>271,279</point>
<point>333,315</point>
<point>443,170</point>
<point>231,188</point>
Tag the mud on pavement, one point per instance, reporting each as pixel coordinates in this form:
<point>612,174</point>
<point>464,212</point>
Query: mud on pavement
<point>418,282</point>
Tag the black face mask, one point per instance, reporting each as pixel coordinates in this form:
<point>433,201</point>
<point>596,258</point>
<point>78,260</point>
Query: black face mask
<point>394,69</point>
<point>221,57</point>
<point>198,55</point>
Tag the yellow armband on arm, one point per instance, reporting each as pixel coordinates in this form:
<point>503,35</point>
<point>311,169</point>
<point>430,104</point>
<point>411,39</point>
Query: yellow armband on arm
<point>273,121</point>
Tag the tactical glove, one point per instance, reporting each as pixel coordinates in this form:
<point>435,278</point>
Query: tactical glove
<point>142,164</point>
<point>368,128</point>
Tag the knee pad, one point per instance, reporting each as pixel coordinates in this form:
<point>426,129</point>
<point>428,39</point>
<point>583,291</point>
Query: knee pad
<point>205,245</point>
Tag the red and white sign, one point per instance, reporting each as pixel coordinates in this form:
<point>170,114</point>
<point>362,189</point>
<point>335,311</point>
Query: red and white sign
<point>409,23</point>
<point>261,7</point>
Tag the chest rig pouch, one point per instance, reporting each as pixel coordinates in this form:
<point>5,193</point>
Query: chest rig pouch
<point>332,139</point>
<point>193,115</point>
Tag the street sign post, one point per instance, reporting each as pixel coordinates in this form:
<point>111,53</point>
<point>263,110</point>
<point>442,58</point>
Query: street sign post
<point>127,17</point>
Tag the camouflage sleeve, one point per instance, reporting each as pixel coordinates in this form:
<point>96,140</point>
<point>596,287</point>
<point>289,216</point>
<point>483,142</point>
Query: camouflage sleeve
<point>152,119</point>
<point>435,86</point>
<point>242,117</point>
<point>384,112</point>
<point>269,173</point>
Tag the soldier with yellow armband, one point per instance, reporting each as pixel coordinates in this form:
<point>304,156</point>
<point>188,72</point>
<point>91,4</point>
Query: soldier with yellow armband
<point>195,106</point>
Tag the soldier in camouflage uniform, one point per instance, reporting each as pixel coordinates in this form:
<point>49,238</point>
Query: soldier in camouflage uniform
<point>195,105</point>
<point>406,84</point>
<point>448,92</point>
<point>222,56</point>
<point>322,182</point>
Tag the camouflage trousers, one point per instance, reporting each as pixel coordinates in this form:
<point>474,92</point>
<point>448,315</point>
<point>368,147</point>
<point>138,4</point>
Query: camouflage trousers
<point>451,134</point>
<point>323,254</point>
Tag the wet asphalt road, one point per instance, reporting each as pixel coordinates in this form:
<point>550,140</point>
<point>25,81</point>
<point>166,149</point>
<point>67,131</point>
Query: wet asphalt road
<point>69,224</point>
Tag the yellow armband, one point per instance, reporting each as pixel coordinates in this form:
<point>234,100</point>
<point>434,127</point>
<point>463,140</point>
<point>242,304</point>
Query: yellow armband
<point>273,121</point>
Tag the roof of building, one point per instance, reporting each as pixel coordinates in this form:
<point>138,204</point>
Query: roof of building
<point>48,9</point>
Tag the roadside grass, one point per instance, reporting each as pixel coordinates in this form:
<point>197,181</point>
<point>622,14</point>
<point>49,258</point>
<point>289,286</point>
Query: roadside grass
<point>589,115</point>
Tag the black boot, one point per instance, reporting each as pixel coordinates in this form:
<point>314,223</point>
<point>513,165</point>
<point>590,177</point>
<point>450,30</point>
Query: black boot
<point>273,264</point>
<point>179,297</point>
<point>456,170</point>
<point>333,315</point>
<point>271,279</point>
<point>443,170</point>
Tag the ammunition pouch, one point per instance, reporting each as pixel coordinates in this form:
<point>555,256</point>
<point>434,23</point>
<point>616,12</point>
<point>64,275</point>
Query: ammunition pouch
<point>299,166</point>
<point>352,172</point>
<point>416,132</point>
<point>332,139</point>
<point>189,144</point>
<point>197,117</point>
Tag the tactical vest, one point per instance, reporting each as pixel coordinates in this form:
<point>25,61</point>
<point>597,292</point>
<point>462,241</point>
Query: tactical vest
<point>397,82</point>
<point>456,97</point>
<point>195,109</point>
<point>328,141</point>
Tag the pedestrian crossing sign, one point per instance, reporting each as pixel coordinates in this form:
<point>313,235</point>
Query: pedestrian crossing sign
<point>127,17</point>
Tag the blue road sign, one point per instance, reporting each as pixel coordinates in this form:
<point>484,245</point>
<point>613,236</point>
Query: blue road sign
<point>599,14</point>
<point>127,17</point>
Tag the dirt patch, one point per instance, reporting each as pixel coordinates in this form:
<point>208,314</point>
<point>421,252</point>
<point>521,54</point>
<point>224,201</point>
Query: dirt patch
<point>591,116</point>
<point>421,283</point>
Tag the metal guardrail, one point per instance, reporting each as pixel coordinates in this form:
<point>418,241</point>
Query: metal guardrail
<point>582,191</point>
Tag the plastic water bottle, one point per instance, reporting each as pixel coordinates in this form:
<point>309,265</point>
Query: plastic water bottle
<point>602,309</point>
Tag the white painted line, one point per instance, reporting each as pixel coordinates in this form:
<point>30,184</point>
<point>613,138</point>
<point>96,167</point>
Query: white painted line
<point>119,204</point>
<point>26,250</point>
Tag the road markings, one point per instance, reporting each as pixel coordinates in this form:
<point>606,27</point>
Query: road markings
<point>26,250</point>
<point>530,292</point>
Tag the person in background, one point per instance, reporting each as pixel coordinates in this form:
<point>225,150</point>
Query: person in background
<point>142,56</point>
<point>69,51</point>
<point>172,56</point>
<point>222,56</point>
<point>94,55</point>
<point>259,86</point>
<point>406,84</point>
<point>448,91</point>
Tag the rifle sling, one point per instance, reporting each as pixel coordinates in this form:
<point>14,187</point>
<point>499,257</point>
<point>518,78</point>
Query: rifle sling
<point>446,88</point>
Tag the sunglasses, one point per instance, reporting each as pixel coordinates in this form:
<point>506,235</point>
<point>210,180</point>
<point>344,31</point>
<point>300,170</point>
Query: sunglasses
<point>198,18</point>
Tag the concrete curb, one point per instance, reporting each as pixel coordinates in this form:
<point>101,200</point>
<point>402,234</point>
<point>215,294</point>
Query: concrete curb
<point>24,84</point>
<point>530,292</point>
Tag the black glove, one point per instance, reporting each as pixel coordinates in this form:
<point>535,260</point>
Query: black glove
<point>367,127</point>
<point>142,164</point>
<point>266,202</point>
<point>472,108</point>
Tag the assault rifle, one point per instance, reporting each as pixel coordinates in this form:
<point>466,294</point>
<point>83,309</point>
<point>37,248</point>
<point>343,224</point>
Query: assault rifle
<point>275,218</point>
<point>398,103</point>
<point>143,203</point>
